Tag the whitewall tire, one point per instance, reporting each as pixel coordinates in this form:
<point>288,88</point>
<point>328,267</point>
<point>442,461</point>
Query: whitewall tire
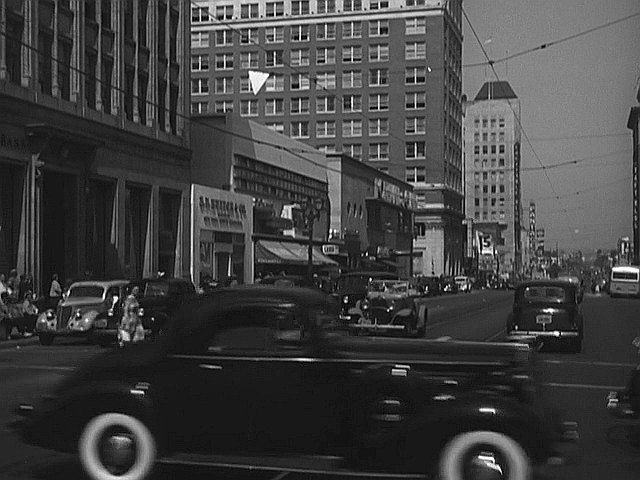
<point>116,446</point>
<point>509,458</point>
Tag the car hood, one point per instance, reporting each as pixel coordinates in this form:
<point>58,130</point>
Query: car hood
<point>81,302</point>
<point>401,349</point>
<point>386,296</point>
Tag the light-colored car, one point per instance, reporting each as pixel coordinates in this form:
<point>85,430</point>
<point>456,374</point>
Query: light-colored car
<point>76,312</point>
<point>465,284</point>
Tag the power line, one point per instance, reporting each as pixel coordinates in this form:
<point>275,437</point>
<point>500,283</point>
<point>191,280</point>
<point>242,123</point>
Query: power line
<point>578,192</point>
<point>572,137</point>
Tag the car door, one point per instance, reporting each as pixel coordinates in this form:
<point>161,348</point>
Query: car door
<point>211,404</point>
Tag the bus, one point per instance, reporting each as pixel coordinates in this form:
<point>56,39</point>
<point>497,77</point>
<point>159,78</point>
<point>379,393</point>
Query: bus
<point>625,280</point>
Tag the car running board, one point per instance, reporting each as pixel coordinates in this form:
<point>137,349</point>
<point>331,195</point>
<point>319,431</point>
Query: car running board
<point>319,465</point>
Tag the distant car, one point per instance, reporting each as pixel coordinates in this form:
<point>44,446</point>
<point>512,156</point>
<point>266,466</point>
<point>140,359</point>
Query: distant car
<point>392,307</point>
<point>158,298</point>
<point>463,283</point>
<point>575,280</point>
<point>287,281</point>
<point>449,285</point>
<point>81,305</point>
<point>351,289</point>
<point>430,286</point>
<point>549,309</point>
<point>247,377</point>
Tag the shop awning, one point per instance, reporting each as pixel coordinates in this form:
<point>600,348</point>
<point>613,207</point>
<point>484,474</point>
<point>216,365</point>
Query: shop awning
<point>274,252</point>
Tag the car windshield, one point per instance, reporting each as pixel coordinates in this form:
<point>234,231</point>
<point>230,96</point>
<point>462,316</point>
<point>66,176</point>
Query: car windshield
<point>156,289</point>
<point>388,286</point>
<point>545,294</point>
<point>83,291</point>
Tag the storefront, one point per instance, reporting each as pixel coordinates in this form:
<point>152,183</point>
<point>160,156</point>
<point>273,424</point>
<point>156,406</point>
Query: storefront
<point>222,224</point>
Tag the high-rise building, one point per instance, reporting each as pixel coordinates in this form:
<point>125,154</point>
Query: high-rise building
<point>378,80</point>
<point>633,123</point>
<point>94,143</point>
<point>492,170</point>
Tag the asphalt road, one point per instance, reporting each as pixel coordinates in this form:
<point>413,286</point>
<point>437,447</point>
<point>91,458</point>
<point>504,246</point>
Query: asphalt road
<point>576,383</point>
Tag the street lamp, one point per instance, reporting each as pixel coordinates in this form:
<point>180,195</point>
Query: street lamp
<point>312,208</point>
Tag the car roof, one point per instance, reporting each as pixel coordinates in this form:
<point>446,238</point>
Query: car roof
<point>271,294</point>
<point>546,283</point>
<point>100,283</point>
<point>388,275</point>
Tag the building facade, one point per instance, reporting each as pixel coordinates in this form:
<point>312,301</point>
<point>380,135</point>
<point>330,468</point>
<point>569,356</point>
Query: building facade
<point>380,81</point>
<point>371,216</point>
<point>633,123</point>
<point>492,166</point>
<point>94,158</point>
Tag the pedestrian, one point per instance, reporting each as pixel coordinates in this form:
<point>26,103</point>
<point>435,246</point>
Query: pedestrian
<point>55,290</point>
<point>3,283</point>
<point>5,316</point>
<point>130,329</point>
<point>13,284</point>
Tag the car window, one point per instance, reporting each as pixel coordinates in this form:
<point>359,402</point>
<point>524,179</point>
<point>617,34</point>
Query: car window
<point>93,291</point>
<point>545,294</point>
<point>156,289</point>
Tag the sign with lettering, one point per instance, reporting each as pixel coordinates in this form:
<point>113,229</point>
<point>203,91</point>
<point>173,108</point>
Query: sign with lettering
<point>13,141</point>
<point>394,194</point>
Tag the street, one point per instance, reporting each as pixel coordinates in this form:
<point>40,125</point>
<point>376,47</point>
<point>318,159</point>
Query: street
<point>575,383</point>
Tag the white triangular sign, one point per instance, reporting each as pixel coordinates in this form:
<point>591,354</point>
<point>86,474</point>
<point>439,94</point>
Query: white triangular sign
<point>257,80</point>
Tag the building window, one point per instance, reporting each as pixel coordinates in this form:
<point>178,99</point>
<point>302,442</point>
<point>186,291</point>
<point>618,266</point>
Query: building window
<point>352,79</point>
<point>378,77</point>
<point>501,149</point>
<point>224,12</point>
<point>199,86</point>
<point>378,102</point>
<point>275,126</point>
<point>275,83</point>
<point>248,60</point>
<point>249,108</point>
<point>476,149</point>
<point>354,150</point>
<point>485,123</point>
<point>199,107</point>
<point>415,3</point>
<point>224,61</point>
<point>378,127</point>
<point>199,63</point>
<point>378,152</point>
<point>378,4</point>
<point>274,106</point>
<point>300,33</point>
<point>415,175</point>
<point>501,122</point>
<point>249,10</point>
<point>199,40</point>
<point>325,129</point>
<point>299,105</point>
<point>485,149</point>
<point>299,7</point>
<point>351,103</point>
<point>378,28</point>
<point>415,51</point>
<point>415,150</point>
<point>224,85</point>
<point>415,125</point>
<point>249,36</point>
<point>274,34</point>
<point>501,162</point>
<point>415,26</point>
<point>224,37</point>
<point>326,104</point>
<point>245,84</point>
<point>415,76</point>
<point>299,57</point>
<point>274,9</point>
<point>502,189</point>
<point>327,148</point>
<point>415,101</point>
<point>299,81</point>
<point>379,53</point>
<point>273,58</point>
<point>222,106</point>
<point>352,128</point>
<point>352,30</point>
<point>299,129</point>
<point>326,6</point>
<point>199,14</point>
<point>326,31</point>
<point>325,56</point>
<point>352,54</point>
<point>352,5</point>
<point>326,81</point>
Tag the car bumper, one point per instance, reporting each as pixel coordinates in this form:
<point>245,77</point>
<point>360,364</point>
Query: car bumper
<point>66,332</point>
<point>620,408</point>
<point>547,334</point>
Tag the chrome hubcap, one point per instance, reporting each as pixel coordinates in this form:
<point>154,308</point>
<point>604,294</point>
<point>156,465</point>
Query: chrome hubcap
<point>485,464</point>
<point>117,451</point>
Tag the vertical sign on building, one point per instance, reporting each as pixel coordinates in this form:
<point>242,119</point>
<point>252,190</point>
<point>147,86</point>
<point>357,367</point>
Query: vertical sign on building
<point>540,238</point>
<point>532,226</point>
<point>636,210</point>
<point>517,206</point>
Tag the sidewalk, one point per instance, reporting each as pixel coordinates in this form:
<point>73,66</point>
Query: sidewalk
<point>18,342</point>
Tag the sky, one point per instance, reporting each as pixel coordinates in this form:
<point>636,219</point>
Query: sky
<point>575,101</point>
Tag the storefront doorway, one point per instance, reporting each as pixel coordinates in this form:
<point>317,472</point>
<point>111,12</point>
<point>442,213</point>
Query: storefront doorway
<point>136,225</point>
<point>11,186</point>
<point>101,256</point>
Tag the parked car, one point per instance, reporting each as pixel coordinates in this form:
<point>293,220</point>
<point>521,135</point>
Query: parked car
<point>158,298</point>
<point>351,290</point>
<point>248,377</point>
<point>449,285</point>
<point>625,405</point>
<point>392,307</point>
<point>81,305</point>
<point>548,309</point>
<point>464,284</point>
<point>430,286</point>
<point>287,281</point>
<point>574,280</point>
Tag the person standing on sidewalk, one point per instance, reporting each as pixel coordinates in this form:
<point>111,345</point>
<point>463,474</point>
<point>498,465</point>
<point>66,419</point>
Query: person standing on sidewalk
<point>55,291</point>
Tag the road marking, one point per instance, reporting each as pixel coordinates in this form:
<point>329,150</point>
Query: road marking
<point>37,367</point>
<point>584,386</point>
<point>493,337</point>
<point>593,364</point>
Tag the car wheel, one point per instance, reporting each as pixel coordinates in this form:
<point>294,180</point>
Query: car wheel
<point>117,446</point>
<point>483,454</point>
<point>45,339</point>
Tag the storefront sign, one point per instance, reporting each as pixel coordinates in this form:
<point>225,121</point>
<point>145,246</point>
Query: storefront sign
<point>393,194</point>
<point>13,140</point>
<point>221,214</point>
<point>330,250</point>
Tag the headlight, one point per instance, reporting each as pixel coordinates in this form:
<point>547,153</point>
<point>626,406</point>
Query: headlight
<point>78,314</point>
<point>110,312</point>
<point>365,304</point>
<point>141,312</point>
<point>345,299</point>
<point>50,314</point>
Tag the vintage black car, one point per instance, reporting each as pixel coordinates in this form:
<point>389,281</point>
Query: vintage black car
<point>351,289</point>
<point>549,309</point>
<point>248,376</point>
<point>392,307</point>
<point>158,298</point>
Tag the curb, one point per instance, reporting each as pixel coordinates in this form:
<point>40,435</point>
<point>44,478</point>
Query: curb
<point>18,342</point>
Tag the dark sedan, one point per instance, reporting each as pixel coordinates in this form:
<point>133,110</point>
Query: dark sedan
<point>550,310</point>
<point>248,377</point>
<point>351,290</point>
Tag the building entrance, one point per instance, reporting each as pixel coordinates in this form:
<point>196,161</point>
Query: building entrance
<point>11,187</point>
